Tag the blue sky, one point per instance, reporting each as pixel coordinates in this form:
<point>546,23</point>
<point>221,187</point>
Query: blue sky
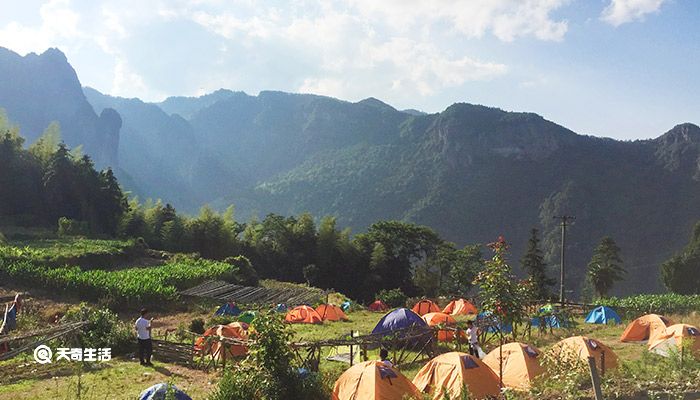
<point>626,69</point>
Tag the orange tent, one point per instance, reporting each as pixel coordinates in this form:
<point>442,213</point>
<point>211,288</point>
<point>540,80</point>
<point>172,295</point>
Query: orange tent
<point>450,372</point>
<point>303,315</point>
<point>425,306</point>
<point>520,364</point>
<point>677,336</point>
<point>583,347</point>
<point>373,380</point>
<point>378,305</point>
<point>646,327</point>
<point>330,312</point>
<point>206,345</point>
<point>438,318</point>
<point>460,307</point>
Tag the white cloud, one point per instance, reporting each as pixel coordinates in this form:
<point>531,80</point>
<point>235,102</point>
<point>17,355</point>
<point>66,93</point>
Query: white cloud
<point>619,12</point>
<point>59,26</point>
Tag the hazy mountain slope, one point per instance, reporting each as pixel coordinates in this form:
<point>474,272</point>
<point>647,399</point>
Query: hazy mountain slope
<point>470,172</point>
<point>38,89</point>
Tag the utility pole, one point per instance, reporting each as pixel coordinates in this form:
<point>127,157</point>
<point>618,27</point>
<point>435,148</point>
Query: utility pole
<point>564,219</point>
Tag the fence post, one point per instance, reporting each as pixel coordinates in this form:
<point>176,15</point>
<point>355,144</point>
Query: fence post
<point>351,353</point>
<point>602,363</point>
<point>595,379</point>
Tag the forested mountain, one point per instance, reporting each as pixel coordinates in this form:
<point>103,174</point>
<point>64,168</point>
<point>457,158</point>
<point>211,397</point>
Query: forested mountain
<point>470,172</point>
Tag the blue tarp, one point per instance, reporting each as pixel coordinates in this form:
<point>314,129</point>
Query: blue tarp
<point>159,391</point>
<point>345,306</point>
<point>398,319</point>
<point>603,315</point>
<point>505,328</point>
<point>228,309</point>
<point>550,321</point>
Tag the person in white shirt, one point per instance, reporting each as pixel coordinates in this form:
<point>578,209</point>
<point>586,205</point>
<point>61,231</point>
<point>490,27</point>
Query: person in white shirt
<point>472,335</point>
<point>143,334</point>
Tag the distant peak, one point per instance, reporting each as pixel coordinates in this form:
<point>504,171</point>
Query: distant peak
<point>685,132</point>
<point>374,102</point>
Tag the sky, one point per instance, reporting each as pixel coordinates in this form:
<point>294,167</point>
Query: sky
<point>626,69</point>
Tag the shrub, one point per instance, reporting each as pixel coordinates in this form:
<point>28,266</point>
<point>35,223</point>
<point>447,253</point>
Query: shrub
<point>244,273</point>
<point>668,303</point>
<point>104,329</point>
<point>70,227</point>
<point>268,372</point>
<point>197,325</point>
<point>393,297</point>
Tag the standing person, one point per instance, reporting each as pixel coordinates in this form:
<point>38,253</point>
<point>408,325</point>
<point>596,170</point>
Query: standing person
<point>472,335</point>
<point>143,333</point>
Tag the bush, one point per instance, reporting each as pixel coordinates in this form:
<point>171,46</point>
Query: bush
<point>70,227</point>
<point>104,329</point>
<point>393,297</point>
<point>268,372</point>
<point>197,325</point>
<point>243,273</point>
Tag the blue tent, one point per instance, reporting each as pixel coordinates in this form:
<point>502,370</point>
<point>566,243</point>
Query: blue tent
<point>398,319</point>
<point>228,309</point>
<point>505,328</point>
<point>281,307</point>
<point>345,306</point>
<point>159,391</point>
<point>603,315</point>
<point>550,321</point>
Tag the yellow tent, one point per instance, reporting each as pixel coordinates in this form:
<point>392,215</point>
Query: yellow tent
<point>449,372</point>
<point>646,327</point>
<point>373,380</point>
<point>583,347</point>
<point>676,336</point>
<point>520,364</point>
<point>438,318</point>
<point>330,312</point>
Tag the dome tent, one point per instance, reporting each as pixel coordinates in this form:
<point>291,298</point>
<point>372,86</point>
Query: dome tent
<point>236,330</point>
<point>378,305</point>
<point>449,373</point>
<point>373,380</point>
<point>330,312</point>
<point>646,327</point>
<point>438,318</point>
<point>303,315</point>
<point>400,318</point>
<point>678,337</point>
<point>159,391</point>
<point>603,315</point>
<point>520,364</point>
<point>247,317</point>
<point>425,306</point>
<point>583,347</point>
<point>460,307</point>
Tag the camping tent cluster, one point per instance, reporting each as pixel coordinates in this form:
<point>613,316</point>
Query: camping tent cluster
<point>662,336</point>
<point>449,374</point>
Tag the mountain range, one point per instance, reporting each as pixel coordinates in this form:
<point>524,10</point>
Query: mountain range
<point>470,172</point>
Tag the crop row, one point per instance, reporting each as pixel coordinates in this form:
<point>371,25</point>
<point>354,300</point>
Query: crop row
<point>134,286</point>
<point>72,251</point>
<point>667,303</point>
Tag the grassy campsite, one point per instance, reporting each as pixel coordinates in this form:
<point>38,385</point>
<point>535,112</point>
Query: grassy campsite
<point>109,298</point>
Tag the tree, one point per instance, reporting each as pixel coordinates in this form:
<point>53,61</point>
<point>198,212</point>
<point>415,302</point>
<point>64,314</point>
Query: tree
<point>680,273</point>
<point>533,263</point>
<point>466,265</point>
<point>605,267</point>
<point>47,144</point>
<point>500,292</point>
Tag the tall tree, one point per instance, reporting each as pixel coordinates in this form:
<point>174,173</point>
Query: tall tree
<point>606,267</point>
<point>533,263</point>
<point>680,273</point>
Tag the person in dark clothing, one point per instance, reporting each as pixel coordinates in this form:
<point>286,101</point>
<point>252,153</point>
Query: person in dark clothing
<point>143,334</point>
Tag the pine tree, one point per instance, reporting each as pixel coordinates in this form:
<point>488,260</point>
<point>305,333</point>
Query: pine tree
<point>533,263</point>
<point>606,267</point>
